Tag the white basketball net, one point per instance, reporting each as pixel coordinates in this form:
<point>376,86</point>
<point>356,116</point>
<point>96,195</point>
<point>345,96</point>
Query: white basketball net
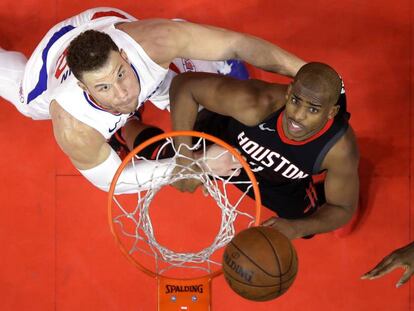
<point>216,186</point>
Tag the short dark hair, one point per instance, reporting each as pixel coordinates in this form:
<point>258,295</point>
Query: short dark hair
<point>89,51</point>
<point>321,78</point>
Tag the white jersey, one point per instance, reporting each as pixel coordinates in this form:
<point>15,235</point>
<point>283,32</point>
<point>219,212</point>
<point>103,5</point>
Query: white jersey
<point>47,76</point>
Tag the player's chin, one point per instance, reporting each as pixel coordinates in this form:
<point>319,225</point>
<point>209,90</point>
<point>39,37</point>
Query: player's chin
<point>129,108</point>
<point>298,135</point>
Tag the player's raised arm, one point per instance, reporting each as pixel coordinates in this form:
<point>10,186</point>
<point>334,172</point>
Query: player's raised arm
<point>165,40</point>
<point>222,95</point>
<point>246,101</point>
<point>187,93</point>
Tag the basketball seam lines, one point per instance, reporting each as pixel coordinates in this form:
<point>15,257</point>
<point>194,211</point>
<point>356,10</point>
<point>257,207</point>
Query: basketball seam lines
<point>269,274</point>
<point>276,256</point>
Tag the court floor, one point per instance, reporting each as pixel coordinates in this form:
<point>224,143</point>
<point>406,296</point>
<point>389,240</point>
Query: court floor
<point>57,251</point>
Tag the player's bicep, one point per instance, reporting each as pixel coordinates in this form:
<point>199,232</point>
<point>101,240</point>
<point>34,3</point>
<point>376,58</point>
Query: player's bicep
<point>224,95</point>
<point>90,156</point>
<point>243,100</point>
<point>163,40</point>
<point>84,152</point>
<point>85,146</point>
<point>206,42</point>
<point>342,179</point>
<point>342,187</point>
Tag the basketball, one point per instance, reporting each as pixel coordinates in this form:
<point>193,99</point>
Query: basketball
<point>260,263</point>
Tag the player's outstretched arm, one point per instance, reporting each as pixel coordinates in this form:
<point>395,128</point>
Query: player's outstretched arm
<point>165,40</point>
<point>400,258</point>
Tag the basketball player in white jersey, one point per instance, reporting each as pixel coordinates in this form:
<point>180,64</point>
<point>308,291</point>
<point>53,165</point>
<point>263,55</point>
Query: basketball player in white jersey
<point>87,111</point>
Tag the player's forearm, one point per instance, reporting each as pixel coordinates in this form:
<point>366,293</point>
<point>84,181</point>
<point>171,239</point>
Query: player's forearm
<point>327,218</point>
<point>184,108</point>
<point>183,113</point>
<point>267,56</point>
<point>132,179</point>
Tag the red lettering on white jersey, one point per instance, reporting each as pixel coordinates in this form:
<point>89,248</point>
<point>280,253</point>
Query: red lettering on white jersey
<point>61,64</point>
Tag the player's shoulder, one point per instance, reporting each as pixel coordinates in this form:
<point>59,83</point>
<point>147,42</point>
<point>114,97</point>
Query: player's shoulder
<point>276,94</point>
<point>269,97</point>
<point>161,39</point>
<point>157,30</point>
<point>260,99</point>
<point>344,152</point>
<point>72,135</point>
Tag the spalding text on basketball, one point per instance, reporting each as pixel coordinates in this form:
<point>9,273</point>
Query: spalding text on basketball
<point>245,274</point>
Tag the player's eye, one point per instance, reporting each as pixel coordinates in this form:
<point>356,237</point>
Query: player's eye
<point>104,88</point>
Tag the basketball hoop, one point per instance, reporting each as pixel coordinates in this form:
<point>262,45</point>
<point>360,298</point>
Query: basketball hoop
<point>183,275</point>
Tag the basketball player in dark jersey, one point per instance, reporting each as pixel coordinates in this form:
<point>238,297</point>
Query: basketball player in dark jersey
<point>287,133</point>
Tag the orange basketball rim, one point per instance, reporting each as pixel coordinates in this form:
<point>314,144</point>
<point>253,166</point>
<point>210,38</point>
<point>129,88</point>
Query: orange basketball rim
<point>181,293</point>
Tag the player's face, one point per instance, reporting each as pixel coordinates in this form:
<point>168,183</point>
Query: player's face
<point>306,113</point>
<point>114,86</point>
